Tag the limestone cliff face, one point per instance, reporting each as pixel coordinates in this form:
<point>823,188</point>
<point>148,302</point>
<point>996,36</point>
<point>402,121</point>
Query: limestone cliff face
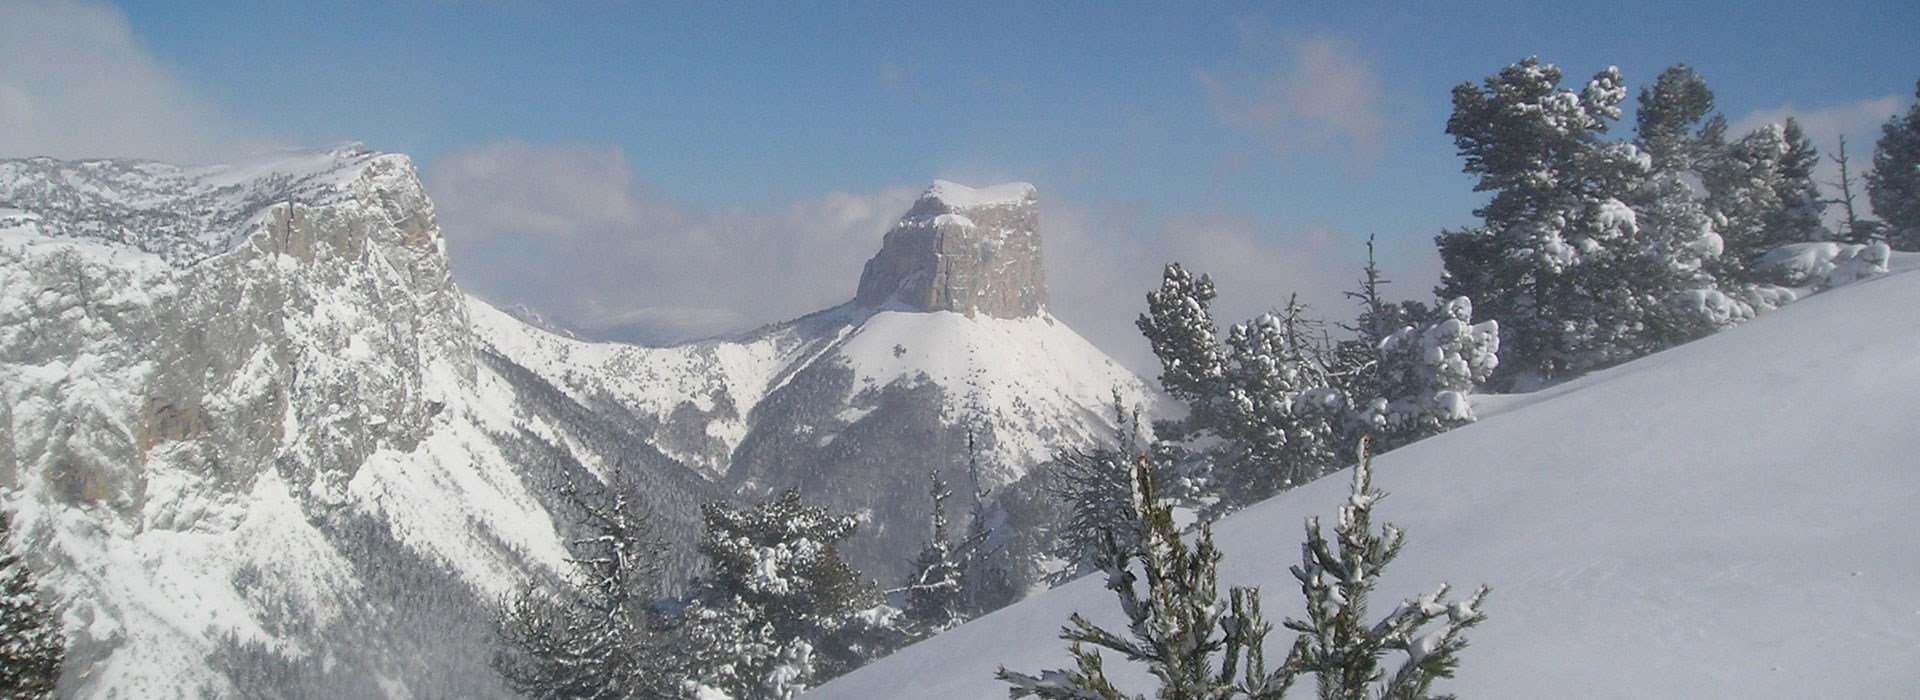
<point>962,249</point>
<point>218,321</point>
<point>244,428</point>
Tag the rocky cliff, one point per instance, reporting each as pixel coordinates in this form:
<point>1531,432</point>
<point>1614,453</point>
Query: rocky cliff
<point>962,249</point>
<point>251,441</point>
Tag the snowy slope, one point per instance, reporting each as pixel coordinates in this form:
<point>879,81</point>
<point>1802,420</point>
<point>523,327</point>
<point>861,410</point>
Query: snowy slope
<point>854,406</point>
<point>1033,381</point>
<point>1731,518</point>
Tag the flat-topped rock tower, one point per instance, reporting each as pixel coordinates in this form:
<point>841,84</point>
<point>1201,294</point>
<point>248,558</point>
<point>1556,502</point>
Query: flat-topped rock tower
<point>963,249</point>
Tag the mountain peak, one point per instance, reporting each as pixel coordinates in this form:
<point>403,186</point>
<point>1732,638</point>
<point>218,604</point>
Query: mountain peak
<point>956,195</point>
<point>963,249</point>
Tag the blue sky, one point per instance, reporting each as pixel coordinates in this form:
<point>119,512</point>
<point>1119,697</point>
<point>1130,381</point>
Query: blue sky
<point>683,168</point>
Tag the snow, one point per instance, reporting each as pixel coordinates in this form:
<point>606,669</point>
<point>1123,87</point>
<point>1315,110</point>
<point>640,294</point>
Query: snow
<point>1031,377</point>
<point>1824,264</point>
<point>1729,518</point>
<point>952,220</point>
<point>186,214</point>
<point>958,196</point>
<point>174,546</point>
<point>1034,379</point>
<point>656,381</point>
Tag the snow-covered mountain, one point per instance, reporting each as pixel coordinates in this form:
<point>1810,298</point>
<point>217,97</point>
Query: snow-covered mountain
<point>1730,518</point>
<point>948,336</point>
<point>252,441</point>
<point>261,445</point>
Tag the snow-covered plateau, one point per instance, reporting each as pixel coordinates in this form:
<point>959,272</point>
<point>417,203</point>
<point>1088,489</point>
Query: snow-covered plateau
<point>1730,518</point>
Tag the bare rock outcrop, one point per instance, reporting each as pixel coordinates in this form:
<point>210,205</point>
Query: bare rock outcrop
<point>962,249</point>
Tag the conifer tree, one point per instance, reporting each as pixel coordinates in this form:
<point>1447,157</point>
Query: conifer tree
<point>1175,622</point>
<point>1356,365</point>
<point>1179,326</point>
<point>987,578</point>
<point>1675,124</point>
<point>32,647</point>
<point>1763,195</point>
<point>598,635</point>
<point>1096,490</point>
<point>1427,370</point>
<point>1587,256</point>
<point>776,612</point>
<point>934,594</point>
<point>1555,213</point>
<point>1679,245</point>
<point>1268,393</point>
<point>1893,185</point>
<point>1198,649</point>
<point>1336,644</point>
<point>1282,414</point>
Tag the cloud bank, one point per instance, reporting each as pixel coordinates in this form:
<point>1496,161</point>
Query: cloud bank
<point>74,83</point>
<point>570,230</point>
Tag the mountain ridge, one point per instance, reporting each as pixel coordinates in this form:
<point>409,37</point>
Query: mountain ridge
<point>259,442</point>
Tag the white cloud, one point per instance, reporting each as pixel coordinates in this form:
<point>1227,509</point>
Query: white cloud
<point>75,83</point>
<point>570,230</point>
<point>1313,93</point>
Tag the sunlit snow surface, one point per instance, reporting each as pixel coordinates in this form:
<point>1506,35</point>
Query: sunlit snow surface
<point>1733,518</point>
<point>1033,379</point>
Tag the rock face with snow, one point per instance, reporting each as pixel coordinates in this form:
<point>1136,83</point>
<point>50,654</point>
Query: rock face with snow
<point>947,342</point>
<point>962,249</point>
<point>250,437</point>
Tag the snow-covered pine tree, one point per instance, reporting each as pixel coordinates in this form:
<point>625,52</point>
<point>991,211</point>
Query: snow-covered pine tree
<point>1427,370</point>
<point>1198,649</point>
<point>1356,367</point>
<point>1096,490</point>
<point>1678,244</point>
<point>1675,124</point>
<point>935,598</point>
<point>598,634</point>
<point>1556,208</point>
<point>1336,644</point>
<point>778,610</point>
<point>1175,623</point>
<point>1893,185</point>
<point>1762,194</point>
<point>988,580</point>
<point>1584,254</point>
<point>1282,416</point>
<point>1270,395</point>
<point>32,648</point>
<point>1180,328</point>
